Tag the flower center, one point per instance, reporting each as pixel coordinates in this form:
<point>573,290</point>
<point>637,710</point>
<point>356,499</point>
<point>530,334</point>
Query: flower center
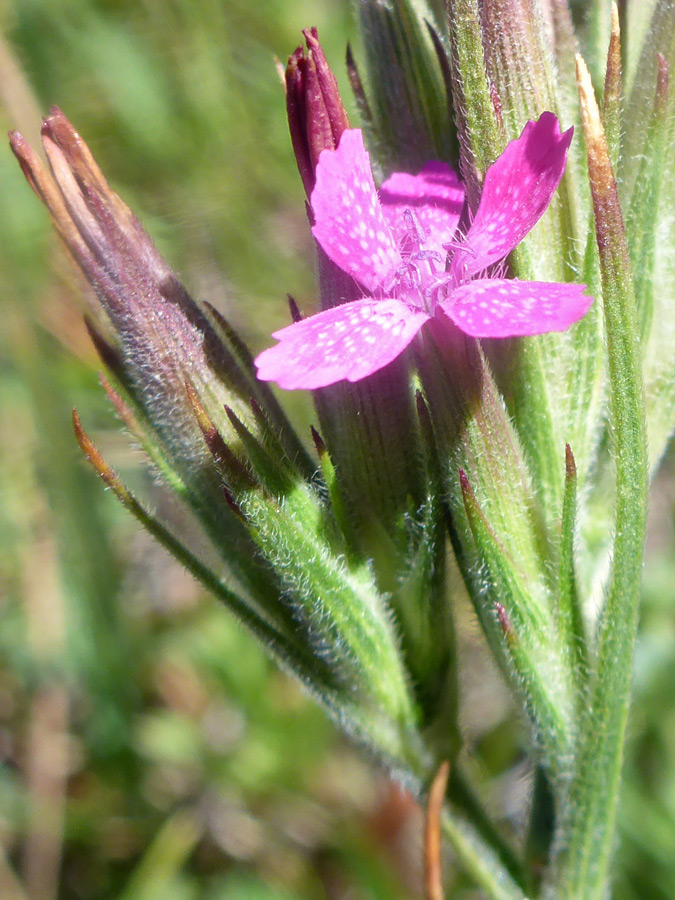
<point>422,279</point>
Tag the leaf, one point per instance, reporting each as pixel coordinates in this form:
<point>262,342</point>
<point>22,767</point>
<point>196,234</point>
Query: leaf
<point>570,618</point>
<point>520,634</point>
<point>503,563</point>
<point>411,121</point>
<point>585,833</point>
<point>481,136</point>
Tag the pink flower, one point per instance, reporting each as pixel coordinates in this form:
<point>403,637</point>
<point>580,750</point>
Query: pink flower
<point>403,250</point>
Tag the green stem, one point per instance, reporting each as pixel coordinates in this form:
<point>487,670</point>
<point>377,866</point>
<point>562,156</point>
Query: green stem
<point>466,803</point>
<point>481,862</point>
<point>481,850</point>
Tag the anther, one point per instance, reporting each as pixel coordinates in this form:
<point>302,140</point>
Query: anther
<point>429,254</point>
<point>415,229</point>
<point>459,245</point>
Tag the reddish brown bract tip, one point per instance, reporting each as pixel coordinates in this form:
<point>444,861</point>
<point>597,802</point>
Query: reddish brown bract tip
<point>318,442</point>
<point>433,883</point>
<point>229,466</point>
<point>94,456</point>
<point>296,315</point>
<point>570,464</point>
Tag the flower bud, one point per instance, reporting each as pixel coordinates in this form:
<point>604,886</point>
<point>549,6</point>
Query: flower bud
<point>149,313</point>
<point>316,115</point>
<point>155,337</point>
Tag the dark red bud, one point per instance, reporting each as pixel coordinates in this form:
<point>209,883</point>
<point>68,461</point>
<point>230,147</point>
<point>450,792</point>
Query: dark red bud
<point>316,114</point>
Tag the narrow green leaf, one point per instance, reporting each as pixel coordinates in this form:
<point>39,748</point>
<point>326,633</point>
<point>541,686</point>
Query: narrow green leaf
<point>651,236</point>
<point>466,806</point>
<point>588,403</point>
<point>265,630</point>
<point>565,46</point>
<point>481,139</point>
<point>345,693</point>
<point>594,32</point>
<point>541,829</point>
<point>659,38</point>
<point>586,831</point>
<point>142,434</point>
<point>520,634</point>
<point>341,614</point>
<point>275,474</point>
<point>570,615</point>
<point>335,496</point>
<point>336,613</point>
<point>420,601</point>
<point>473,432</point>
<point>611,101</point>
<point>261,394</point>
<point>555,381</point>
<point>480,860</point>
<point>643,217</point>
<point>410,119</point>
<point>165,857</point>
<point>635,19</point>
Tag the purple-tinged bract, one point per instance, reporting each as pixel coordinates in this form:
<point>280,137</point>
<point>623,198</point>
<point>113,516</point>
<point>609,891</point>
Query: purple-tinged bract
<point>404,250</point>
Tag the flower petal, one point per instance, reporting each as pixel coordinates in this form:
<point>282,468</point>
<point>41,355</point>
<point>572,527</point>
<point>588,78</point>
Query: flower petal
<point>347,342</point>
<point>435,195</point>
<point>497,307</point>
<point>517,190</point>
<point>349,223</point>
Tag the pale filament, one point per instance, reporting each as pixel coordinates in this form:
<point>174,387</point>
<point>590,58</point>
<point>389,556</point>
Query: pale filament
<point>419,280</point>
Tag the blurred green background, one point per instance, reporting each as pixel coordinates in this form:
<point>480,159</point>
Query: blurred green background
<point>147,748</point>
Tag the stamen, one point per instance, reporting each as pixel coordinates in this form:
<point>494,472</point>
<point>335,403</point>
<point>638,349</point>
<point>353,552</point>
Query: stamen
<point>437,291</point>
<point>412,274</point>
<point>459,244</point>
<point>408,272</point>
<point>416,230</point>
<point>418,273</point>
<point>428,255</point>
